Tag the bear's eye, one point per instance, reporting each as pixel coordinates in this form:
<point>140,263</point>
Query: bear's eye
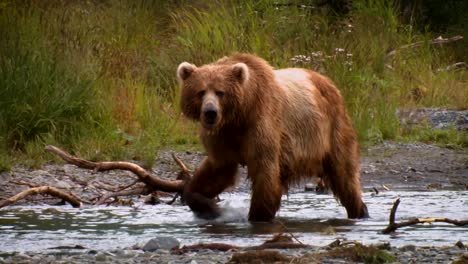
<point>220,94</point>
<point>200,94</point>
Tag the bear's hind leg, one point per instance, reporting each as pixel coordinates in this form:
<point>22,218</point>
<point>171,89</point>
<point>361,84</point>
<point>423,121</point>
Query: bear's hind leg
<point>342,177</point>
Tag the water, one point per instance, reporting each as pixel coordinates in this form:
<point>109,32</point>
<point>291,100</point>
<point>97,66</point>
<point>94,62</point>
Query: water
<point>314,219</point>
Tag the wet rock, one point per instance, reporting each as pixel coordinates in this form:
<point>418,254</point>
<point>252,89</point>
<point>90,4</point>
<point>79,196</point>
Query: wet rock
<point>167,243</point>
<point>102,257</point>
<point>460,244</point>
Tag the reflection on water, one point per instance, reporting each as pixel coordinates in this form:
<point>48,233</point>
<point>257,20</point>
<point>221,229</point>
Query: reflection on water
<point>314,219</point>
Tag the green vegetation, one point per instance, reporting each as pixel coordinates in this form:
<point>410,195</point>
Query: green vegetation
<point>450,137</point>
<point>358,252</point>
<point>98,77</point>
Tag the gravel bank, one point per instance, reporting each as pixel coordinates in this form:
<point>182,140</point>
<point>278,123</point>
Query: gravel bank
<point>406,254</point>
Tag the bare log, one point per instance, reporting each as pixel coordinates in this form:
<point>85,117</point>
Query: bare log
<point>438,40</point>
<point>392,225</point>
<point>70,198</point>
<point>143,175</point>
<point>181,164</point>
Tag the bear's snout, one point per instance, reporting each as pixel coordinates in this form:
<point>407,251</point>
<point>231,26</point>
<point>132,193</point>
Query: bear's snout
<point>210,114</point>
<point>210,111</point>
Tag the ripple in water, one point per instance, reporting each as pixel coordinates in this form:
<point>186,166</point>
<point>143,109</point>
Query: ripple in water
<point>314,219</point>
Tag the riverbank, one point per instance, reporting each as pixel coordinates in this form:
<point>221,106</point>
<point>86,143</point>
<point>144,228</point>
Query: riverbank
<point>386,254</point>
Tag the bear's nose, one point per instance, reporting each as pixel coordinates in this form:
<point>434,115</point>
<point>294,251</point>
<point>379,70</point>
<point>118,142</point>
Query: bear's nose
<point>210,114</point>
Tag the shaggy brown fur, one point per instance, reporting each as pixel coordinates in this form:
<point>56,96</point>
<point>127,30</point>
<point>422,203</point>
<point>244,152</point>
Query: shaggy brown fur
<point>283,125</point>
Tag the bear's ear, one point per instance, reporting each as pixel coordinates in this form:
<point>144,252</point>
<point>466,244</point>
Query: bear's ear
<point>184,70</point>
<point>241,72</point>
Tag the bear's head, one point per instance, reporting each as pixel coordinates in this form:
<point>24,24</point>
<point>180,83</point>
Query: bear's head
<point>212,93</point>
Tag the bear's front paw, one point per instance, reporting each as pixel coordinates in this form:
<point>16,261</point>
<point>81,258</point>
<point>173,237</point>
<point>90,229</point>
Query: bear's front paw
<point>202,206</point>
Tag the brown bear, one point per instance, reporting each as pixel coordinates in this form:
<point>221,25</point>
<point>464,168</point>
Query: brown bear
<point>284,125</point>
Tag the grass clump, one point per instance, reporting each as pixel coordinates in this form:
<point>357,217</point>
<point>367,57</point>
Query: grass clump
<point>361,253</point>
<point>38,96</point>
<point>449,137</point>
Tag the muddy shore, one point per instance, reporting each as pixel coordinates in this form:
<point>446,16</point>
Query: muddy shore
<point>389,165</point>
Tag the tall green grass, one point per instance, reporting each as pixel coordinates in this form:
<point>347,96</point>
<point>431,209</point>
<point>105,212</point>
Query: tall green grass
<point>98,77</point>
<point>87,76</point>
<point>39,97</point>
<point>351,50</point>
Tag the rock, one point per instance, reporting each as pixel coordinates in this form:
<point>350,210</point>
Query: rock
<point>408,248</point>
<point>460,244</point>
<point>102,257</point>
<point>167,243</point>
<point>436,117</point>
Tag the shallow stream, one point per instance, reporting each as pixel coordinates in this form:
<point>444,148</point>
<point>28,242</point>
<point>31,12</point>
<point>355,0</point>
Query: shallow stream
<point>313,219</point>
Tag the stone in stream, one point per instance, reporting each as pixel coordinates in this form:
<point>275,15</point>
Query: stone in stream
<point>156,243</point>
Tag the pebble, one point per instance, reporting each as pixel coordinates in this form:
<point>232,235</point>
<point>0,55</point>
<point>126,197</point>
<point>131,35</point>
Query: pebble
<point>156,243</point>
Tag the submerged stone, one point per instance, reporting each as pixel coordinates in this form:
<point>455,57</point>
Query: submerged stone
<point>167,243</point>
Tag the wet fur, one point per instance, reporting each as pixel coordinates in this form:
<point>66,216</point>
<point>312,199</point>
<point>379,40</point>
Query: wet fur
<point>284,125</point>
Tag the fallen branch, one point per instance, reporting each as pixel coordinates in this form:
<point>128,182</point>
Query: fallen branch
<point>70,198</point>
<point>151,182</point>
<point>438,40</point>
<point>392,225</point>
<point>142,174</point>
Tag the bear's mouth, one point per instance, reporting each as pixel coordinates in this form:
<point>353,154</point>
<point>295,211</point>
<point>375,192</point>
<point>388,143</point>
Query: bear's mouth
<point>209,124</point>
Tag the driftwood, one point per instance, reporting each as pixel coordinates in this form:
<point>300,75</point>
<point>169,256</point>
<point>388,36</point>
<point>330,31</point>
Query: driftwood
<point>143,175</point>
<point>141,190</point>
<point>392,225</point>
<point>68,197</point>
<point>279,241</point>
<point>151,183</point>
<point>438,40</point>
